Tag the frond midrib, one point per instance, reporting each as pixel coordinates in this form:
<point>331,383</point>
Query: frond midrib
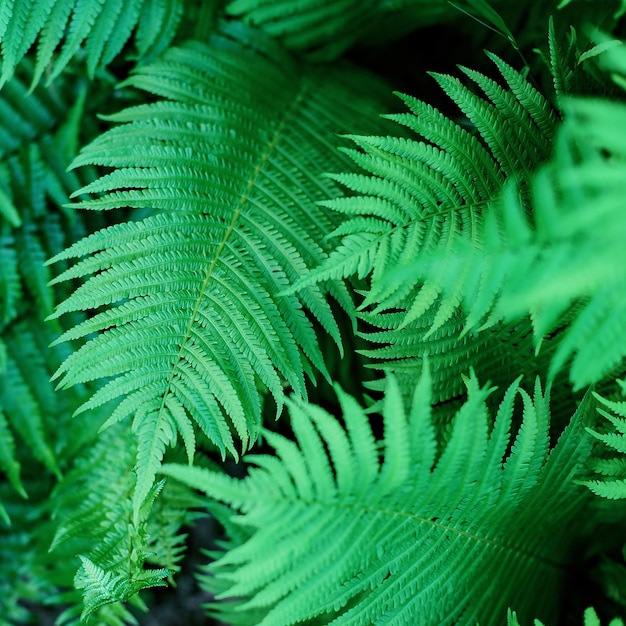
<point>505,546</point>
<point>262,161</point>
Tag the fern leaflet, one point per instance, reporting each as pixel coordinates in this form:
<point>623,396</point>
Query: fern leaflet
<point>590,618</point>
<point>103,27</point>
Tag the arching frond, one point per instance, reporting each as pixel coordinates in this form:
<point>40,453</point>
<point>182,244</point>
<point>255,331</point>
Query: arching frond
<point>231,161</point>
<point>416,195</point>
<point>414,198</point>
<point>356,531</point>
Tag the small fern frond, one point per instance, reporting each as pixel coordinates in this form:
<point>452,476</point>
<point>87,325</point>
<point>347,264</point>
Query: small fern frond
<point>100,587</point>
<point>95,522</point>
<point>356,531</point>
<point>230,162</point>
<point>611,469</point>
<point>562,62</point>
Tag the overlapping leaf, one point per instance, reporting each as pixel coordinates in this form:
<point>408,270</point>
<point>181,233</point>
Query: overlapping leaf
<point>560,262</point>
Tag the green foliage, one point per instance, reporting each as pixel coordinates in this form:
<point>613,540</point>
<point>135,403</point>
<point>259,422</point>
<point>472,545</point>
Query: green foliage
<point>332,523</point>
<point>199,319</point>
<point>214,211</point>
<point>417,197</point>
<point>560,258</point>
<point>612,469</point>
<point>323,30</point>
<point>95,28</point>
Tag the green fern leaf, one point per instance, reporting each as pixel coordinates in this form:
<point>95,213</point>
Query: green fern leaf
<point>612,483</point>
<point>499,354</point>
<point>561,256</point>
<point>23,398</point>
<point>231,168</point>
<point>158,23</point>
<point>355,533</point>
<point>37,435</point>
<point>414,199</point>
<point>562,62</point>
<point>102,26</point>
<point>324,30</point>
<point>94,521</point>
<point>100,587</point>
<point>418,194</point>
<point>33,159</point>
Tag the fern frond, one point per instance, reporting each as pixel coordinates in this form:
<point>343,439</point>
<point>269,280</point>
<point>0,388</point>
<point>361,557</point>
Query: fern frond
<point>323,30</point>
<point>95,522</point>
<point>612,469</point>
<point>417,195</point>
<point>338,517</point>
<point>562,256</point>
<point>562,62</point>
<point>63,27</point>
<point>414,199</point>
<point>230,160</point>
<point>100,587</point>
<point>498,354</point>
<point>33,158</point>
<point>34,429</point>
<point>37,436</point>
<point>26,398</point>
<point>9,463</point>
